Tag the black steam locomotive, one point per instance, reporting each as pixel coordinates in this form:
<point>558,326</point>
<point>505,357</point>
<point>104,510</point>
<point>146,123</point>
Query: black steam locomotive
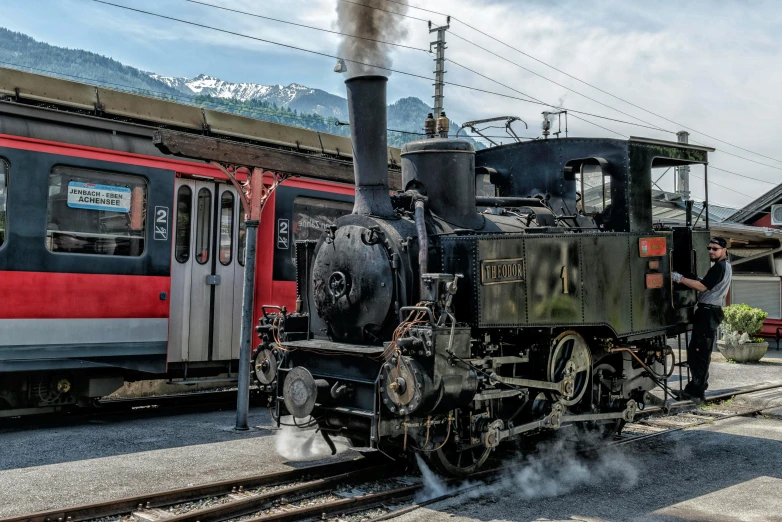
<point>441,322</point>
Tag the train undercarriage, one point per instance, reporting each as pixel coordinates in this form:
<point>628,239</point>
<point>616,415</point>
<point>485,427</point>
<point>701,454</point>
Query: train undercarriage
<point>452,394</point>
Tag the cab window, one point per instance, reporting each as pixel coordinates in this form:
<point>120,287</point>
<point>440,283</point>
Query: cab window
<point>96,212</point>
<point>595,189</point>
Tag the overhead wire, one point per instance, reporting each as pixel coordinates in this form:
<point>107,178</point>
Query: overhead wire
<point>413,7</point>
<point>723,186</point>
<point>533,100</point>
<point>743,175</point>
<point>476,89</point>
<point>326,55</point>
<point>181,98</point>
<point>387,11</point>
<point>619,121</point>
<point>743,158</point>
<point>650,124</point>
<point>256,38</point>
<point>579,80</point>
<point>541,102</point>
<point>620,134</point>
<point>255,15</point>
<point>606,92</point>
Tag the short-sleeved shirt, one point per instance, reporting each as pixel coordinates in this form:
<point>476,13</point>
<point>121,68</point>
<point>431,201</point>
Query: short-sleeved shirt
<point>717,283</point>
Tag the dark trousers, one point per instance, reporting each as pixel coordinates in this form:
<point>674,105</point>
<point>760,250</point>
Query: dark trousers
<point>704,330</point>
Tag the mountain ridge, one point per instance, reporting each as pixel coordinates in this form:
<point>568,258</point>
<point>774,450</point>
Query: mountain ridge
<point>294,95</point>
<point>295,104</point>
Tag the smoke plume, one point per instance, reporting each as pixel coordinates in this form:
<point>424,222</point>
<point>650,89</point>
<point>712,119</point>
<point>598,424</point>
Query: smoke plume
<point>370,24</point>
<point>297,444</point>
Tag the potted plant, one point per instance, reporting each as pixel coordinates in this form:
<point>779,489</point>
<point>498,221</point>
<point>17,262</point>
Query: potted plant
<point>740,328</point>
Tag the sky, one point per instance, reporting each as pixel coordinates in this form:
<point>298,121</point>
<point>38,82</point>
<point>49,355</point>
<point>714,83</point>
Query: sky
<point>712,66</point>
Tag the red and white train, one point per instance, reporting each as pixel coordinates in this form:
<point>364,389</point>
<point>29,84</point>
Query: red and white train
<point>119,263</point>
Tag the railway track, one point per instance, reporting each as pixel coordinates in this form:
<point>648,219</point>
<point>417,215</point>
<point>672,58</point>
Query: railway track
<point>340,489</point>
<point>169,404</point>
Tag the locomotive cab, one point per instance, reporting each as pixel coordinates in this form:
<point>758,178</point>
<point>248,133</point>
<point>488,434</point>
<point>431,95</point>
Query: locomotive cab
<point>427,326</point>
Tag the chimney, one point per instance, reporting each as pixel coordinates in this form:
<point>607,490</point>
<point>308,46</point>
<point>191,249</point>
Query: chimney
<point>367,108</point>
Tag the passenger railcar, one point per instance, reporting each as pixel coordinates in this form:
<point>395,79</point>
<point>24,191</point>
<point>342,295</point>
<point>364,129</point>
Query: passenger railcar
<point>120,263</point>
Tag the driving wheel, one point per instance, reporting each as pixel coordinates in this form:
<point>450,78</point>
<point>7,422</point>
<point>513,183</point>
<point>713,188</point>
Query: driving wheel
<point>570,361</point>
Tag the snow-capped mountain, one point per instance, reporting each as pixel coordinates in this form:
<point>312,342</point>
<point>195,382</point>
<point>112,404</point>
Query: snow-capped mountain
<point>293,96</point>
<point>314,106</point>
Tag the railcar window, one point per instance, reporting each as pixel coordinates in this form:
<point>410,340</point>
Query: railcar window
<point>312,217</point>
<point>226,227</point>
<point>95,212</point>
<point>203,225</point>
<point>4,173</point>
<point>184,214</point>
<point>242,237</point>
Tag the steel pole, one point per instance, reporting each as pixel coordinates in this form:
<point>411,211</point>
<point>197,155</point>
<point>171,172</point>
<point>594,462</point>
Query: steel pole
<point>245,348</point>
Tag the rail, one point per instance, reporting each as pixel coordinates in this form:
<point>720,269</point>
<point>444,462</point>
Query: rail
<point>290,495</point>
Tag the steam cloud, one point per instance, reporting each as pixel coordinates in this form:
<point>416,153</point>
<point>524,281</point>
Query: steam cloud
<point>555,469</point>
<point>435,487</point>
<point>297,444</point>
<point>558,469</point>
<point>369,23</point>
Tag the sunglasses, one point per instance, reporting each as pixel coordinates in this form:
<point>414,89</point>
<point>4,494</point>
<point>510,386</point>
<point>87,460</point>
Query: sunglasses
<point>715,248</point>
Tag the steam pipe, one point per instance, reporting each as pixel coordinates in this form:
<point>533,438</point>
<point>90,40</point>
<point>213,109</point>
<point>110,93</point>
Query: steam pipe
<point>483,201</point>
<point>367,107</point>
<point>423,239</point>
<point>645,367</point>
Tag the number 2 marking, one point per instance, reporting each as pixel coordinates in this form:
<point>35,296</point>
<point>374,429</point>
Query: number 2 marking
<point>282,234</point>
<point>161,224</point>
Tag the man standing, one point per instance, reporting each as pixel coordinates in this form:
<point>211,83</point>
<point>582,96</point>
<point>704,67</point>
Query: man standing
<point>708,315</point>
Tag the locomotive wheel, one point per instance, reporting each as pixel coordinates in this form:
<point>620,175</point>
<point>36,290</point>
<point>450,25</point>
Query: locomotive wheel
<point>265,367</point>
<point>449,460</point>
<point>607,428</point>
<point>572,359</point>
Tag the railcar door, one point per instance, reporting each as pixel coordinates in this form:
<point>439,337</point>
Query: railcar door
<point>206,274</point>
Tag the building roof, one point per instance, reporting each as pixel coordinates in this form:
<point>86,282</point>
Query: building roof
<point>757,208</point>
<point>746,232</point>
<point>670,207</point>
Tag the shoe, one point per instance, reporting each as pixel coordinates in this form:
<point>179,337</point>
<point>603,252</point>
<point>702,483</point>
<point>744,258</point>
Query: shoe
<point>685,396</point>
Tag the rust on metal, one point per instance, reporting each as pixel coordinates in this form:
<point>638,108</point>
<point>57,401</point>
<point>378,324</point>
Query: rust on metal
<point>223,151</point>
<point>654,280</point>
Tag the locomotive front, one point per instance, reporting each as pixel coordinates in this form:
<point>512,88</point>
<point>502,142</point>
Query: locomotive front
<point>417,332</point>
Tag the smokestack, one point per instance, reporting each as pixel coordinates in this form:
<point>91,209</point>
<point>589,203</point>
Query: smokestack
<point>367,108</point>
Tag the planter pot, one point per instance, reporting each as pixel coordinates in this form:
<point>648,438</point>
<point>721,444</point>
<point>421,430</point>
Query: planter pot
<point>747,352</point>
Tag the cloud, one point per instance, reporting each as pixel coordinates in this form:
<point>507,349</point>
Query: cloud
<point>715,69</point>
